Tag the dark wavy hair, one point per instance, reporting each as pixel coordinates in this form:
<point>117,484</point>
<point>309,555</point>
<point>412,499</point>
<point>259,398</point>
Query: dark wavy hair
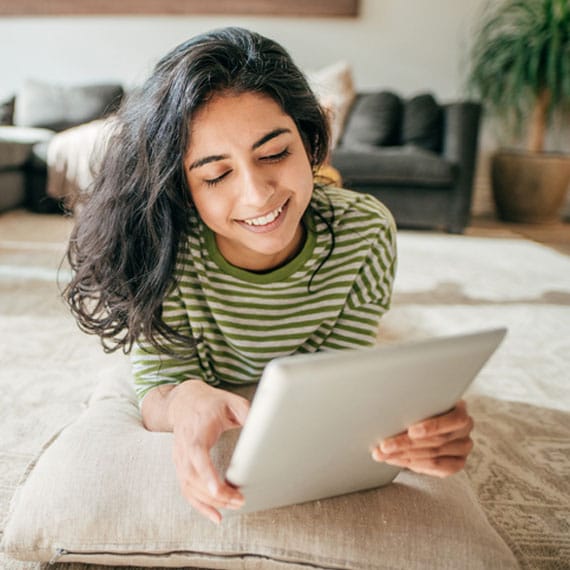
<point>124,246</point>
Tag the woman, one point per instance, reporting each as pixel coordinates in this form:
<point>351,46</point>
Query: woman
<point>208,247</point>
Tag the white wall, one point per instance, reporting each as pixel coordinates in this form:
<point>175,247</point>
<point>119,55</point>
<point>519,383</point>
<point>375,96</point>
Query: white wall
<point>406,45</point>
<point>409,45</point>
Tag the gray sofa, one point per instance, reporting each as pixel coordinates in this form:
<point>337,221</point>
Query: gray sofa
<point>28,121</point>
<point>415,155</point>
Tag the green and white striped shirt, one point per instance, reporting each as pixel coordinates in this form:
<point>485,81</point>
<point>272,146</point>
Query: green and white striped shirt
<point>241,319</point>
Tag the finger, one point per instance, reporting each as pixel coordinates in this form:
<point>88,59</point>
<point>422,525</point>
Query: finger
<point>208,479</point>
<point>396,443</point>
<point>205,497</point>
<point>193,487</point>
<point>403,443</point>
<point>206,510</point>
<point>445,432</point>
<point>456,448</point>
<point>435,466</point>
<point>455,420</point>
<point>190,471</point>
<point>198,475</point>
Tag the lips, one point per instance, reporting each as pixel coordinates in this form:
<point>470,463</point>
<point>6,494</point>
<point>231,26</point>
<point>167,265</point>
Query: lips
<point>267,222</point>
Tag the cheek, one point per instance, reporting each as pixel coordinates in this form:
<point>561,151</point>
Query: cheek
<point>213,205</point>
<point>300,173</point>
<point>205,206</point>
<point>306,179</point>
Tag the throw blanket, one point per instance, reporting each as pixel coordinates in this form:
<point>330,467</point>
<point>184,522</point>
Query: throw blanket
<point>73,157</point>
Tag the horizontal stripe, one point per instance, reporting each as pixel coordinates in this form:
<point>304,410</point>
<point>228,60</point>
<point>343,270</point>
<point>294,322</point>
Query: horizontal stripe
<point>244,324</point>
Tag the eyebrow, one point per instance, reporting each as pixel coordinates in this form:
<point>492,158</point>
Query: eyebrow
<point>215,157</point>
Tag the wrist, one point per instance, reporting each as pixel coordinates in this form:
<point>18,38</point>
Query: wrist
<point>181,399</point>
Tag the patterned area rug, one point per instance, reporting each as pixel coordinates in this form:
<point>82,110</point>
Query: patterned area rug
<point>520,465</point>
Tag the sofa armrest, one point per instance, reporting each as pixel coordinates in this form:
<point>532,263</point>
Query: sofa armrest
<point>16,144</point>
<point>460,143</point>
<point>461,132</point>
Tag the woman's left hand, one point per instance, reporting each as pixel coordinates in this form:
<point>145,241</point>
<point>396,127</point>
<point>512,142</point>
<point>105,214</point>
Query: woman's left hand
<point>437,446</point>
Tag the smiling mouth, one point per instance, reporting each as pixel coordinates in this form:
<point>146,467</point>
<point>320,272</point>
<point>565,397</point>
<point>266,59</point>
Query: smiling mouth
<point>267,219</point>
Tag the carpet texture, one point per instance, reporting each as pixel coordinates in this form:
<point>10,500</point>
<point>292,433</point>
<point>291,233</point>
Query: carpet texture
<point>520,466</point>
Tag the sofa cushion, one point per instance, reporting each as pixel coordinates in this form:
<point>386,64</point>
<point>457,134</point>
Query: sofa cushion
<point>60,107</point>
<point>393,166</point>
<point>422,123</point>
<point>375,119</point>
<point>104,491</point>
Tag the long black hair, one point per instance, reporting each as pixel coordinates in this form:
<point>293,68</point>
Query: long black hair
<point>124,245</point>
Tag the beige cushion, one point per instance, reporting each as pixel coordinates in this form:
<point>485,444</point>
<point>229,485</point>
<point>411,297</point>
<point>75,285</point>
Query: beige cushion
<point>334,87</point>
<point>104,491</point>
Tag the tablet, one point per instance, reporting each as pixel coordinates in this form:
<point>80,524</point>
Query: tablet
<point>315,418</point>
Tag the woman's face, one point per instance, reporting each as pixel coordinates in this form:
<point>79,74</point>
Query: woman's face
<point>250,179</point>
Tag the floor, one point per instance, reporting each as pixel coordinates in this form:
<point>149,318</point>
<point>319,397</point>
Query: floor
<point>53,230</point>
<point>556,235</point>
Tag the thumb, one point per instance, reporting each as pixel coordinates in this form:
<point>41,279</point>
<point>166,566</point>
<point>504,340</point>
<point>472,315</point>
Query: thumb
<point>238,409</point>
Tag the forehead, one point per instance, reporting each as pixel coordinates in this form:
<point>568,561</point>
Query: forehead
<point>236,117</point>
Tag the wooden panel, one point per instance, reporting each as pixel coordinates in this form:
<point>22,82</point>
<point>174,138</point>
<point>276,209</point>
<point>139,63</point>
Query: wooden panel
<point>327,8</point>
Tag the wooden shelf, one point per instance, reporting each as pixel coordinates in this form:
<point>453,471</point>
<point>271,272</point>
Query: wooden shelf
<point>309,8</point>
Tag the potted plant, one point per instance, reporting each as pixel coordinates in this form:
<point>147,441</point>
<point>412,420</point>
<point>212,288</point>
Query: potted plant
<point>520,68</point>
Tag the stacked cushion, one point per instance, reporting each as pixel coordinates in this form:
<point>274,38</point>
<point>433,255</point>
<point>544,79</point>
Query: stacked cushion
<point>385,119</point>
<point>422,123</point>
<point>375,120</point>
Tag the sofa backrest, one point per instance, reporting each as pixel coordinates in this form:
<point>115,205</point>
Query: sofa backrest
<point>59,107</point>
<point>386,119</point>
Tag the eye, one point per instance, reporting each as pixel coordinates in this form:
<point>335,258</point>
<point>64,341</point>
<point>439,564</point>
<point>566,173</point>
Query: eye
<point>277,157</point>
<point>214,181</point>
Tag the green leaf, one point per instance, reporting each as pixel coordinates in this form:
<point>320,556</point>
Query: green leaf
<point>521,47</point>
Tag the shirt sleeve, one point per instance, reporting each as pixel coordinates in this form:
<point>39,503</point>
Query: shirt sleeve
<point>371,293</point>
<point>152,367</point>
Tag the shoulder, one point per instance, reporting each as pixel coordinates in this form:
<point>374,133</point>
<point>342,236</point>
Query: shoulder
<point>352,207</point>
<point>364,243</point>
<point>353,213</point>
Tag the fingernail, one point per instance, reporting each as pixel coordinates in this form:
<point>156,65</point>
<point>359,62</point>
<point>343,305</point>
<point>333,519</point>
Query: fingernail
<point>388,446</point>
<point>213,488</point>
<point>376,455</point>
<point>236,503</point>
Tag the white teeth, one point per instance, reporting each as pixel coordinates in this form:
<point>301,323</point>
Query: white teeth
<point>264,220</point>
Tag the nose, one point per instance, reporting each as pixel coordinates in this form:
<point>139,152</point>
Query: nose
<point>256,187</point>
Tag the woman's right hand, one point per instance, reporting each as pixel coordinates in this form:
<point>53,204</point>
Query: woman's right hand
<point>199,414</point>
